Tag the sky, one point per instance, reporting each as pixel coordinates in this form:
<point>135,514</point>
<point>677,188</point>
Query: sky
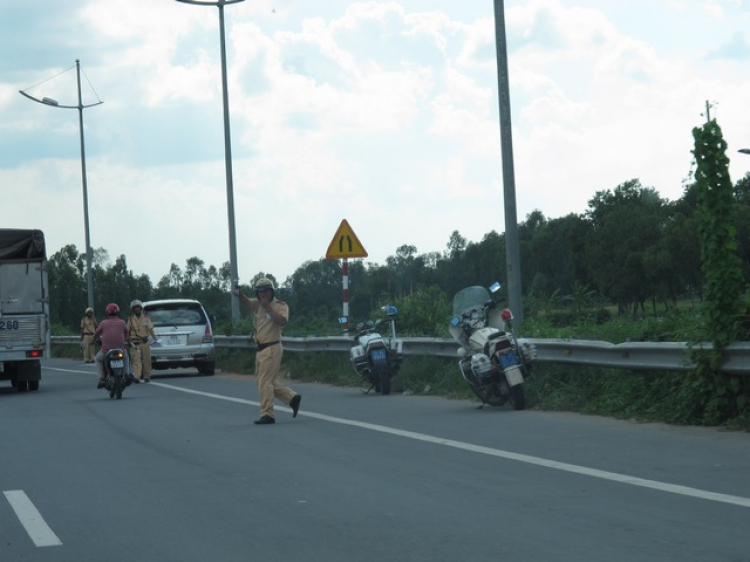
<point>383,113</point>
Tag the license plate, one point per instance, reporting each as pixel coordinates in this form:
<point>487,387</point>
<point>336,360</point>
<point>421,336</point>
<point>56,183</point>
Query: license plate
<point>378,354</point>
<point>175,340</point>
<point>116,364</point>
<point>508,360</point>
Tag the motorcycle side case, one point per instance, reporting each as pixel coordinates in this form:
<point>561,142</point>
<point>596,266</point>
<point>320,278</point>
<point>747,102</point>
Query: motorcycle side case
<point>481,366</point>
<point>358,359</point>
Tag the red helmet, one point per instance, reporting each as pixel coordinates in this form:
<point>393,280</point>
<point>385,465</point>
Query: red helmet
<point>112,309</point>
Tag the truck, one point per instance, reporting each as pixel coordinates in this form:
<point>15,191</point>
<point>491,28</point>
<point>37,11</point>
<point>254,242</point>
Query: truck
<point>24,307</point>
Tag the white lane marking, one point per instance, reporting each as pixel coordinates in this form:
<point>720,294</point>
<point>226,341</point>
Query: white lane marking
<point>528,459</point>
<point>31,519</point>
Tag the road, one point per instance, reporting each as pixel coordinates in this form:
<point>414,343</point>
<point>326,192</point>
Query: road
<point>176,471</point>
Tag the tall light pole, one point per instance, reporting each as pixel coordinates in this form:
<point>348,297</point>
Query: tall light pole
<point>512,254</point>
<point>227,151</point>
<point>80,107</point>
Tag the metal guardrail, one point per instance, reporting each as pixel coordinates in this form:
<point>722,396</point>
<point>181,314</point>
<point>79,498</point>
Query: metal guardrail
<point>667,356</point>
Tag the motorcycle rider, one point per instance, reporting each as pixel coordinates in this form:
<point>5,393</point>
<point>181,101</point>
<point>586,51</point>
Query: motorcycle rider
<point>113,332</point>
<point>270,315</point>
<point>140,329</point>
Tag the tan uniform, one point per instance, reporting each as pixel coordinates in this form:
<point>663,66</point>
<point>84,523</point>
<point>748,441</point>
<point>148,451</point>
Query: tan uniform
<point>139,335</point>
<point>268,357</point>
<point>88,327</point>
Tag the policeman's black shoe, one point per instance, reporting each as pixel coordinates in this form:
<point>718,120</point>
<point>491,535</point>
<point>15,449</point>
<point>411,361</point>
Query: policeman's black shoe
<point>264,420</point>
<point>295,404</point>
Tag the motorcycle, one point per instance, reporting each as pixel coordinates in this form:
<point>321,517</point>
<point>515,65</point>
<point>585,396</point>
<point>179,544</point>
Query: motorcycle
<point>377,358</point>
<point>492,360</point>
<point>114,373</point>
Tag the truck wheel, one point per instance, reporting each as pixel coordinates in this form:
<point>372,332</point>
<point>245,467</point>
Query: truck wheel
<point>21,386</point>
<point>34,385</point>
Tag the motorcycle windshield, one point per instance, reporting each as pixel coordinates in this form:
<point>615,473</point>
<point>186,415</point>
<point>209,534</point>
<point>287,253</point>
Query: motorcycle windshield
<point>468,298</point>
<point>473,299</point>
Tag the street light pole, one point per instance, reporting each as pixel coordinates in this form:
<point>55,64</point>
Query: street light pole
<point>80,107</point>
<point>227,152</point>
<point>744,150</point>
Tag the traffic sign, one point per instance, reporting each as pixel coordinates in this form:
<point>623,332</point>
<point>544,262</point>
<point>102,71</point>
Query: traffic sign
<point>345,244</point>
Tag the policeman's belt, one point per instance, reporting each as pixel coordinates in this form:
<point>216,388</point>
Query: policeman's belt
<point>262,346</point>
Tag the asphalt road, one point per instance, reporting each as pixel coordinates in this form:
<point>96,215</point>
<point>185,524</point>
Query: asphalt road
<point>176,471</point>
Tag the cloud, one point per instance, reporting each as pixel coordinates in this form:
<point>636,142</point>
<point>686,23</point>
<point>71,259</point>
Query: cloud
<point>737,48</point>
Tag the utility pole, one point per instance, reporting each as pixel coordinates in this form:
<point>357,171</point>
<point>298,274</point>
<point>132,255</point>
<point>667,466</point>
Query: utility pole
<point>512,254</point>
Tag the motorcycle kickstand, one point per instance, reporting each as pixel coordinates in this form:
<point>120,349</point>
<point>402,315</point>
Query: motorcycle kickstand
<point>369,389</point>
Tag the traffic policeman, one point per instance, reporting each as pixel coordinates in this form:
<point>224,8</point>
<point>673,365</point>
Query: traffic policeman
<point>140,335</point>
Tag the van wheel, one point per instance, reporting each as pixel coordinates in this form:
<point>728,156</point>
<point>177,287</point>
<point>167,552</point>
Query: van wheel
<point>207,368</point>
<point>21,386</point>
<point>33,385</point>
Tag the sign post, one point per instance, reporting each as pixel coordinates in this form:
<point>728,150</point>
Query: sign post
<point>345,245</point>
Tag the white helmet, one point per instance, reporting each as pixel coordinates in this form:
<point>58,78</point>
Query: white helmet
<point>135,303</point>
<point>264,284</point>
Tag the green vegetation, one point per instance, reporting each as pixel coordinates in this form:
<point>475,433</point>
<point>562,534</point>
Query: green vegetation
<point>634,266</point>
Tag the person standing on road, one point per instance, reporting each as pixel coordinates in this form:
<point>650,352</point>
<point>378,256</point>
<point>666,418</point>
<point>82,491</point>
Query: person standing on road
<point>113,333</point>
<point>140,332</point>
<point>270,316</point>
<point>88,327</point>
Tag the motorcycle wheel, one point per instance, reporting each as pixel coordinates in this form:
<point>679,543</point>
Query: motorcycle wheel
<point>385,382</point>
<point>118,387</point>
<point>518,397</point>
<point>111,387</point>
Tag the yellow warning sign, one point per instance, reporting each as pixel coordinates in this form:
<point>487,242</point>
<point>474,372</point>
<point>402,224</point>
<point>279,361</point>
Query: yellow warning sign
<point>345,244</point>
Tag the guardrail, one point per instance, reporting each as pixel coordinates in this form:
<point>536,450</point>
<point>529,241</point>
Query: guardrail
<point>667,356</point>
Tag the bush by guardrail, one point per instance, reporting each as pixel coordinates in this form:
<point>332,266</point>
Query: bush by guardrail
<point>667,356</point>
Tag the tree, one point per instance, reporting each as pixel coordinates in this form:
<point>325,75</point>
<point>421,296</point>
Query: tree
<point>721,396</point>
<point>67,288</point>
<point>717,212</point>
<point>625,224</point>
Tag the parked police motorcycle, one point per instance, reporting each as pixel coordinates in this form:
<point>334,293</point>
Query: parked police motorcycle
<point>377,358</point>
<point>115,377</point>
<point>492,360</point>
